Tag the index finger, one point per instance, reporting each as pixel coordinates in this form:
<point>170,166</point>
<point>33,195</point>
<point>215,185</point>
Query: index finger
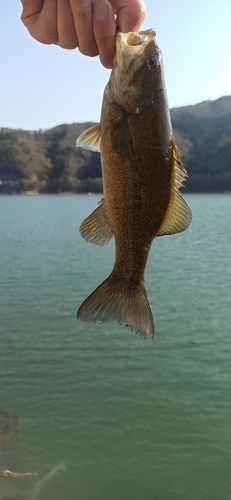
<point>40,18</point>
<point>31,7</point>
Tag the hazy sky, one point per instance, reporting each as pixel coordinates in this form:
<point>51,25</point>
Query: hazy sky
<point>42,85</point>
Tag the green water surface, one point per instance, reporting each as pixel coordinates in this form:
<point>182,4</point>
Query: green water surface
<point>122,418</point>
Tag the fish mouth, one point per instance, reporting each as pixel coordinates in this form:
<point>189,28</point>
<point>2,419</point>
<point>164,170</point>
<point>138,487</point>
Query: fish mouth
<point>134,41</point>
<point>131,48</point>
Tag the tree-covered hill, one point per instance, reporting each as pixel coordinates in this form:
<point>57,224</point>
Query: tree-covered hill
<point>48,161</point>
<point>203,134</point>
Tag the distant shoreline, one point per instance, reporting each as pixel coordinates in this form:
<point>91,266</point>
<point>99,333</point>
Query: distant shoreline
<point>72,193</point>
<point>37,193</point>
<point>47,162</point>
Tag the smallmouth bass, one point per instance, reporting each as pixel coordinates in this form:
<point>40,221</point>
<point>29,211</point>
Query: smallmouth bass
<point>142,173</point>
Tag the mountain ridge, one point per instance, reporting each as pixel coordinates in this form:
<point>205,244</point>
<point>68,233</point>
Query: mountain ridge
<point>47,161</point>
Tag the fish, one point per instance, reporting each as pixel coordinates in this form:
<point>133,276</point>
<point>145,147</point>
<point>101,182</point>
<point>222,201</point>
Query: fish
<point>142,175</point>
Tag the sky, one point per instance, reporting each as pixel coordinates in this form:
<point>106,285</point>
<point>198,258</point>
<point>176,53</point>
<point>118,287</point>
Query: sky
<point>42,86</point>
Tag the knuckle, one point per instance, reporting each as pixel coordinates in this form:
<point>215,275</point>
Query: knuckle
<point>47,39</point>
<point>108,64</point>
<point>89,51</point>
<point>43,36</point>
<point>68,44</point>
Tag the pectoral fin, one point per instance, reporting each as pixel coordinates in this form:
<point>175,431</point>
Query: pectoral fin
<point>96,228</point>
<point>90,138</point>
<point>178,216</point>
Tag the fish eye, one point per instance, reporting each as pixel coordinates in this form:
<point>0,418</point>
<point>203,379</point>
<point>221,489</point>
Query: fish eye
<point>152,62</point>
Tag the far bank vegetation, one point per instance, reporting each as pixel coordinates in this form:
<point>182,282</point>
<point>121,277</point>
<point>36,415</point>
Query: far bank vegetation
<point>48,161</point>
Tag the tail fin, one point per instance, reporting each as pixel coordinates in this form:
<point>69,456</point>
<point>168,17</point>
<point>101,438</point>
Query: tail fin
<point>115,300</point>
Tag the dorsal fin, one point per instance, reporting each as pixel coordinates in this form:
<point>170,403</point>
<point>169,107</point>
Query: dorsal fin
<point>178,216</point>
<point>90,138</point>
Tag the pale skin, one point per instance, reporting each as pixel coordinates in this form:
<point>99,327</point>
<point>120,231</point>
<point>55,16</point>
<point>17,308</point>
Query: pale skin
<point>89,25</point>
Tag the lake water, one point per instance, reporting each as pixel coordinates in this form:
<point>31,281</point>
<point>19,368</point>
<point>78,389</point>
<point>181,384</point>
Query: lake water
<point>103,414</point>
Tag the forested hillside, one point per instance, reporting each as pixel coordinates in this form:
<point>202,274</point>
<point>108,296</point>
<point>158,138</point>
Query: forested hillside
<point>48,161</point>
<point>203,134</point>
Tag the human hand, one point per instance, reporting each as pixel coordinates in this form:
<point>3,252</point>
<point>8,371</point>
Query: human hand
<point>89,25</point>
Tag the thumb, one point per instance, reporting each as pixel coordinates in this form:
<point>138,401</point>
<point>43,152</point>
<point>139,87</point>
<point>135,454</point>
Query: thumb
<point>130,14</point>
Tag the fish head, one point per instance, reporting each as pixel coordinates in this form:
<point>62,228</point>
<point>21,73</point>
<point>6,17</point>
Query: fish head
<point>137,70</point>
